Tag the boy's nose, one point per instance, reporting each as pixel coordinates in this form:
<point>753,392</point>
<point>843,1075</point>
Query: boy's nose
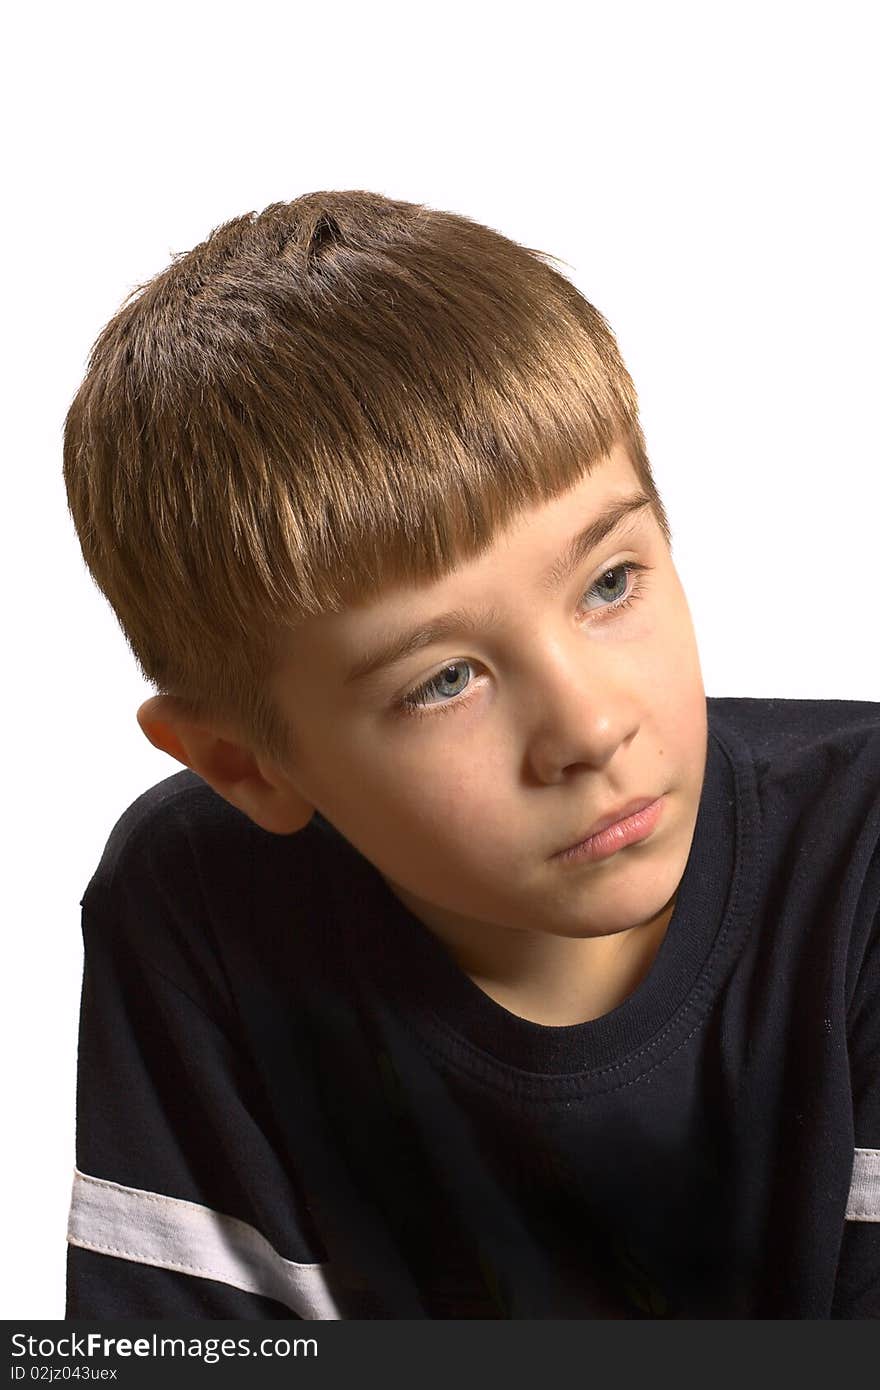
<point>575,714</point>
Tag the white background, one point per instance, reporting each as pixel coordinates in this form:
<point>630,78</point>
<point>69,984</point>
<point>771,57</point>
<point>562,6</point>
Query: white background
<point>709,171</point>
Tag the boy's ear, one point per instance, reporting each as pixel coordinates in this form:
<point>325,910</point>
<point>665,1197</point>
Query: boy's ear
<point>259,789</point>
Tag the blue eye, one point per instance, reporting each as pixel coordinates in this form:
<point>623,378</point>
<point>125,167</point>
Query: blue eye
<point>415,702</point>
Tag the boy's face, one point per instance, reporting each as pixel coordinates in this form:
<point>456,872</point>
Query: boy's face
<point>532,728</point>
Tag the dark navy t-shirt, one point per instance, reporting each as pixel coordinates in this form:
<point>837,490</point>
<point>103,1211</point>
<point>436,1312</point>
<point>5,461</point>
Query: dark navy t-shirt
<point>292,1102</point>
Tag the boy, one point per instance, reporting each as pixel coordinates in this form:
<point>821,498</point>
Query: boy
<point>362,1034</point>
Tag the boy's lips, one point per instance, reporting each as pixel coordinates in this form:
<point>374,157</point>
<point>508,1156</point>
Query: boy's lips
<point>629,808</point>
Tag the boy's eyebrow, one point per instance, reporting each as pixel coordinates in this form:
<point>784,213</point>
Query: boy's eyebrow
<point>402,644</point>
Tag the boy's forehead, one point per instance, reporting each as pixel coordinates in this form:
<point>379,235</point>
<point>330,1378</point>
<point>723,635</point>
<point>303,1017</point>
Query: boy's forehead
<point>534,530</point>
<point>355,640</point>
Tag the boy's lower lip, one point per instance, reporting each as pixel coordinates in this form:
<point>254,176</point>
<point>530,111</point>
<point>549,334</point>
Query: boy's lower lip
<point>617,836</point>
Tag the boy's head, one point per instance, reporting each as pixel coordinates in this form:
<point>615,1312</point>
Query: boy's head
<point>328,425</point>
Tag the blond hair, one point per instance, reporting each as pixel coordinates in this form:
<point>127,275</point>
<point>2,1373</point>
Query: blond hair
<point>337,394</point>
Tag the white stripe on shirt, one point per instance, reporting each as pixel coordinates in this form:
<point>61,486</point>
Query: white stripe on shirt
<point>864,1192</point>
<point>152,1229</point>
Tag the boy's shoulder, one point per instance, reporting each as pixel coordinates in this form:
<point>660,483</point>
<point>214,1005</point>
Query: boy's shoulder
<point>163,832</point>
<point>184,875</point>
<point>181,825</point>
<point>781,734</point>
<point>808,771</point>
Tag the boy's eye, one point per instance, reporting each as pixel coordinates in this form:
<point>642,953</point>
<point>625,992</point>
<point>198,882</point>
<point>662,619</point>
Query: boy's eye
<point>418,702</point>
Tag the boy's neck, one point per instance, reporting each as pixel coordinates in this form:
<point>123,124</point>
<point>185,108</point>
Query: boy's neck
<point>582,981</point>
<point>552,980</point>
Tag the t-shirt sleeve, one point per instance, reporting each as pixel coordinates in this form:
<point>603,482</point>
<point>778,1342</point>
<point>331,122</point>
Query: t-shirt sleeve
<point>857,1287</point>
<point>182,1205</point>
